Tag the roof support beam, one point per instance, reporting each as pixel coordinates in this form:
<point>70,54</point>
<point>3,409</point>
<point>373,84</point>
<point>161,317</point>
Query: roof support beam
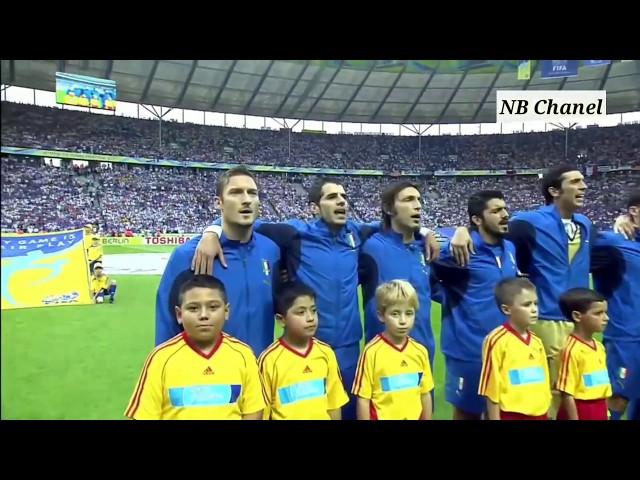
<point>487,93</point>
<point>606,76</point>
<point>446,107</point>
<point>393,85</point>
<point>357,91</point>
<point>310,86</point>
<point>257,89</point>
<point>187,82</point>
<point>152,73</point>
<point>109,69</point>
<point>214,104</point>
<point>424,89</point>
<point>293,87</point>
<point>326,87</point>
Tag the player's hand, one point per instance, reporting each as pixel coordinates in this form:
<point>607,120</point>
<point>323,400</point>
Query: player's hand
<point>208,250</point>
<point>432,248</point>
<point>625,226</point>
<point>462,246</point>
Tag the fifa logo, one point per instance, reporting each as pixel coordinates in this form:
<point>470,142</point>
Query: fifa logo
<point>558,65</point>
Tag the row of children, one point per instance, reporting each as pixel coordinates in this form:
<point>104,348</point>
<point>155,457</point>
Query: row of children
<point>204,373</point>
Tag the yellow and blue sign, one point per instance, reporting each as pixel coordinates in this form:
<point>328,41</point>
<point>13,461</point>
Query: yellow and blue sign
<point>45,269</point>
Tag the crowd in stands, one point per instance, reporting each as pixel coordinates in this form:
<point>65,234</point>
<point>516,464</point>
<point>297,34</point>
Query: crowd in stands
<point>143,199</point>
<point>70,130</point>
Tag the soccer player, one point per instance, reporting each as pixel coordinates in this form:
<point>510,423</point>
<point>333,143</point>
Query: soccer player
<point>397,252</point>
<point>323,254</point>
<point>553,249</point>
<point>616,274</point>
<point>201,373</point>
<point>94,252</point>
<point>300,374</point>
<point>394,380</point>
<point>515,373</point>
<point>470,311</point>
<point>252,275</point>
<point>583,379</point>
<point>102,285</point>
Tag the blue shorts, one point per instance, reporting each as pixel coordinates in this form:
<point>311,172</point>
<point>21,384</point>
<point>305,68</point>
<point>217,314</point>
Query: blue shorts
<point>623,363</point>
<point>461,385</point>
<point>348,362</point>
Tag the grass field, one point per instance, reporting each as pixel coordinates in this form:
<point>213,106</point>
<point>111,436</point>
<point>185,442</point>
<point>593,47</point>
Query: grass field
<point>82,362</point>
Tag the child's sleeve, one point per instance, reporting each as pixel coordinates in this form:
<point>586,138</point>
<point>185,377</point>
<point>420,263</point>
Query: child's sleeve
<point>251,399</point>
<point>426,384</point>
<point>490,376</point>
<point>362,384</point>
<point>336,395</point>
<point>146,401</point>
<point>569,372</point>
<point>266,378</point>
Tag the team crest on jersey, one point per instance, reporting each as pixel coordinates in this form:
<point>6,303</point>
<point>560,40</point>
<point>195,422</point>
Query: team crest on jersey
<point>266,268</point>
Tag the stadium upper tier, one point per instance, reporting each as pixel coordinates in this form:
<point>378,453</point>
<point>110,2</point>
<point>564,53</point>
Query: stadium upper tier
<point>53,128</point>
<point>147,199</point>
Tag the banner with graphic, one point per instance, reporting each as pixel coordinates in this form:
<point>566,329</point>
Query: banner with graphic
<point>40,270</point>
<point>558,68</point>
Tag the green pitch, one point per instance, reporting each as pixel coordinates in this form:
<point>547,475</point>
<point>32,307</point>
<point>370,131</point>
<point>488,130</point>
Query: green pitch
<point>83,362</point>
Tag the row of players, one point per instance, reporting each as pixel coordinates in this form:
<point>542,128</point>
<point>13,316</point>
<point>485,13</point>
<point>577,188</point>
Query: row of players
<point>554,245</point>
<point>203,373</point>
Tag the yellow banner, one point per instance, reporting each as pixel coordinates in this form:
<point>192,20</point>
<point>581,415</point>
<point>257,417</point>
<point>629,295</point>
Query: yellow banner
<point>44,269</point>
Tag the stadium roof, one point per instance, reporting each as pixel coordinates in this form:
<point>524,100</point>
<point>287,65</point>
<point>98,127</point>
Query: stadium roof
<point>371,91</point>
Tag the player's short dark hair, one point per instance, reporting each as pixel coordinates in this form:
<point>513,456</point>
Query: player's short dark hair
<point>289,292</point>
<point>578,300</point>
<point>201,281</point>
<point>388,198</point>
<point>634,199</point>
<point>507,289</point>
<point>315,192</point>
<point>477,203</point>
<point>553,178</point>
<point>223,180</point>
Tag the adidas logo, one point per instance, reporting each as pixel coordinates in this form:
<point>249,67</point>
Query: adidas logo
<point>404,364</point>
<point>307,369</point>
<point>531,357</point>
<point>208,371</point>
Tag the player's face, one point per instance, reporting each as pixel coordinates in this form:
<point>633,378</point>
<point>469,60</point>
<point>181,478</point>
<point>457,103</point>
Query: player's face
<point>596,318</point>
<point>334,205</point>
<point>301,320</point>
<point>407,206</point>
<point>202,314</point>
<point>398,319</point>
<point>524,311</point>
<point>572,191</point>
<point>95,243</point>
<point>239,203</point>
<point>495,217</point>
<point>98,272</point>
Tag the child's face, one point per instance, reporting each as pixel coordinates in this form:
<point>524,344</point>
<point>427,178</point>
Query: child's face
<point>524,310</point>
<point>202,314</point>
<point>595,319</point>
<point>398,318</point>
<point>98,272</point>
<point>301,319</point>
